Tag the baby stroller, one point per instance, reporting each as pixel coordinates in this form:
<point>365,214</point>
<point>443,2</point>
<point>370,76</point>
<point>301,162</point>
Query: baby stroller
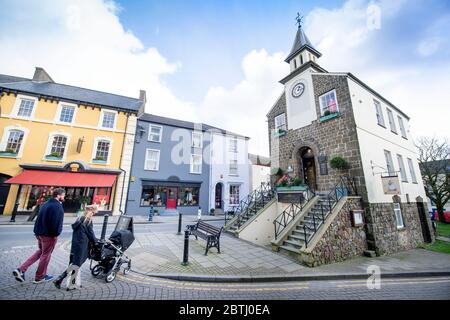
<point>110,253</point>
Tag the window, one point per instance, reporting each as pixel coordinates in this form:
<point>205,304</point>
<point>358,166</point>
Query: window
<point>295,63</point>
<point>389,163</point>
<point>328,103</point>
<point>301,59</point>
<point>102,151</point>
<point>280,122</point>
<point>188,196</point>
<point>398,216</point>
<point>66,114</point>
<point>379,112</point>
<point>196,163</point>
<point>234,195</point>
<point>402,127</point>
<point>154,133</point>
<point>58,146</point>
<point>391,121</point>
<point>108,119</point>
<point>401,165</point>
<point>152,160</point>
<point>25,108</point>
<point>197,139</point>
<point>233,145</point>
<point>14,141</point>
<point>233,167</point>
<point>411,171</point>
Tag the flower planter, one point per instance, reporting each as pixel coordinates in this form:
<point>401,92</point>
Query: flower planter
<point>53,158</point>
<point>98,161</point>
<point>8,154</point>
<point>329,117</point>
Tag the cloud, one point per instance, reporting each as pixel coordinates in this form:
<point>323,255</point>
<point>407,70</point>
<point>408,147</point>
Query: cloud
<point>83,43</point>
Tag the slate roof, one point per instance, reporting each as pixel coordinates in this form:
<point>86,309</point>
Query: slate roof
<point>301,42</point>
<point>69,93</point>
<point>184,124</point>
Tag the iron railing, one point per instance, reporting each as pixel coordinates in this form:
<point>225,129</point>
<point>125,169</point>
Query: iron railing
<point>288,215</point>
<point>345,187</point>
<point>253,202</point>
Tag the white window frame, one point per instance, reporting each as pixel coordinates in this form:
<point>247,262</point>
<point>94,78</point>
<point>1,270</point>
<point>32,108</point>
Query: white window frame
<point>95,146</point>
<point>150,126</point>
<point>102,113</point>
<point>192,163</point>
<point>398,216</point>
<point>146,159</point>
<point>389,162</point>
<point>5,137</point>
<point>17,103</point>
<point>232,161</point>
<point>321,105</point>
<point>230,144</point>
<point>197,133</point>
<point>61,105</point>
<point>391,121</point>
<point>401,166</point>
<point>412,172</point>
<point>230,194</point>
<point>276,121</point>
<point>402,127</point>
<point>379,113</point>
<point>50,143</point>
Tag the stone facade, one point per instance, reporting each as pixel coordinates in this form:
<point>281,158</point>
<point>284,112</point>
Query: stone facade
<point>341,241</point>
<point>383,235</point>
<point>335,137</point>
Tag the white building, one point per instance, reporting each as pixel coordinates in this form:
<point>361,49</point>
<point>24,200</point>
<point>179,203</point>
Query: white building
<point>259,170</point>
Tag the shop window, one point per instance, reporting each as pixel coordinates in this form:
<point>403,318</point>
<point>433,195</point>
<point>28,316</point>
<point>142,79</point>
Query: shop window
<point>188,196</point>
<point>153,196</point>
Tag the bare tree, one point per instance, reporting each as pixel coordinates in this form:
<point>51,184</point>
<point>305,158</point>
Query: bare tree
<point>434,160</point>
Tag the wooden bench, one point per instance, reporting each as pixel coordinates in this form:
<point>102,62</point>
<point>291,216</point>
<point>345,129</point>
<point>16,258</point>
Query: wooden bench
<point>207,232</point>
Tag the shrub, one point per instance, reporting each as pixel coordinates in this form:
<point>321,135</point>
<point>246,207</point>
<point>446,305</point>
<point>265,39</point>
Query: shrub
<point>327,113</point>
<point>297,182</point>
<point>339,163</point>
<point>278,172</point>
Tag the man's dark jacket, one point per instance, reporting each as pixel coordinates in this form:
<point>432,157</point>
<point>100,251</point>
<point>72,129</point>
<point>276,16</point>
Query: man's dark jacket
<point>49,222</point>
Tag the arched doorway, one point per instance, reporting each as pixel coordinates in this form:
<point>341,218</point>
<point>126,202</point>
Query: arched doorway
<point>218,196</point>
<point>4,191</point>
<point>308,166</point>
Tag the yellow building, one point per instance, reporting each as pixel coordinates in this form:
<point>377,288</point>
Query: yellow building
<point>56,135</point>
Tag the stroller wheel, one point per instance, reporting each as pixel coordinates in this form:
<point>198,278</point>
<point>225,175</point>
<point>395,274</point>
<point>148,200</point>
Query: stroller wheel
<point>110,276</point>
<point>127,269</point>
<point>97,270</point>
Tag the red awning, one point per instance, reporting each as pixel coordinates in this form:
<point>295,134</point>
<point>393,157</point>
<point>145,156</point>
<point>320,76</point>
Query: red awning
<point>63,179</point>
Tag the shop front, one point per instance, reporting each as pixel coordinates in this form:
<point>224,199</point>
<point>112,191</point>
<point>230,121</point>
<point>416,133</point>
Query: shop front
<point>82,188</point>
<point>181,196</point>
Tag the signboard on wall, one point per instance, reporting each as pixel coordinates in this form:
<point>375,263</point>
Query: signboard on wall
<point>391,185</point>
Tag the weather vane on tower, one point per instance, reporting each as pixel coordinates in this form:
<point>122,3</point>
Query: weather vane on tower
<point>299,20</point>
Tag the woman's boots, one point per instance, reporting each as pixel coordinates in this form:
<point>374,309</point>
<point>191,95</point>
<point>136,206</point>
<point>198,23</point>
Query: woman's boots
<point>60,279</point>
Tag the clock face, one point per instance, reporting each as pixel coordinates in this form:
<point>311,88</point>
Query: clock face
<point>298,90</point>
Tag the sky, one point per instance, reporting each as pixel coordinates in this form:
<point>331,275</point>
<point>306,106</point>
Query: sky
<point>219,62</point>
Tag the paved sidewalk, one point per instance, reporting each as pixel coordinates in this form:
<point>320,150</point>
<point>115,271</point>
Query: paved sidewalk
<point>159,254</point>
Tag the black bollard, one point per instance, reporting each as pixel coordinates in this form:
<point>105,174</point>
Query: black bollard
<point>179,223</point>
<point>14,213</point>
<point>186,248</point>
<point>105,225</point>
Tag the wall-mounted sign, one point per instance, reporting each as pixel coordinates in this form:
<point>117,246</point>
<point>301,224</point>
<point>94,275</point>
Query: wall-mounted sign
<point>357,218</point>
<point>323,165</point>
<point>391,185</point>
<point>290,197</point>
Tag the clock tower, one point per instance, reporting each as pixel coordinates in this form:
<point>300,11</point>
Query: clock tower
<point>299,89</point>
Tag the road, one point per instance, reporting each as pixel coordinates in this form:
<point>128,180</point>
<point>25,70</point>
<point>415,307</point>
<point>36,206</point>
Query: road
<point>17,242</point>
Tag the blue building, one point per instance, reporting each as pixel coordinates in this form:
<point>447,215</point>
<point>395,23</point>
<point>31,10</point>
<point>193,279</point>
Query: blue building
<point>171,166</point>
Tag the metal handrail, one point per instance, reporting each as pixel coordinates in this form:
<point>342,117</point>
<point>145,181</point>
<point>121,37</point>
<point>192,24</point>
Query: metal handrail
<point>259,197</point>
<point>347,186</point>
<point>288,214</point>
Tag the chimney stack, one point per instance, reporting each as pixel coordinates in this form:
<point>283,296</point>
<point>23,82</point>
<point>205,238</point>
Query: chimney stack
<point>41,75</point>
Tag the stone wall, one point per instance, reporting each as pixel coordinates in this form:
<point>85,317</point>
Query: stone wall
<point>340,241</point>
<point>383,235</point>
<point>335,137</point>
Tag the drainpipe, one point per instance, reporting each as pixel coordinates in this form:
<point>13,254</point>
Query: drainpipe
<point>120,166</point>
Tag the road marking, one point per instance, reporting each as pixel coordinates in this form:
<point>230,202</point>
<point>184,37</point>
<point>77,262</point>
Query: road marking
<point>391,283</point>
<point>392,280</point>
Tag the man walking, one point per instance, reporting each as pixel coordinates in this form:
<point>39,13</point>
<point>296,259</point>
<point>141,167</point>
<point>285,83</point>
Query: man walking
<point>47,228</point>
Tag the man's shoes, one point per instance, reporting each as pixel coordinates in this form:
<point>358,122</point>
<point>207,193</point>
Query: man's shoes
<point>19,275</point>
<point>47,278</point>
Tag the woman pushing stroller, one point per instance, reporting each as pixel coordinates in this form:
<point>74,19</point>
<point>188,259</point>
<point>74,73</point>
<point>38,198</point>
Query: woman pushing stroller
<point>83,234</point>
